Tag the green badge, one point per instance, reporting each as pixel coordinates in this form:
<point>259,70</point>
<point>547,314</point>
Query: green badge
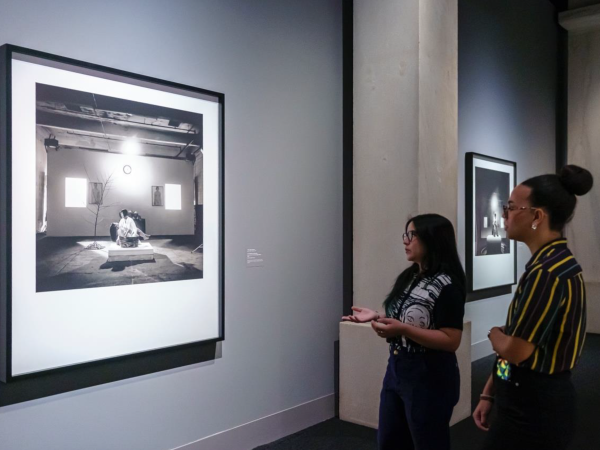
<point>503,369</point>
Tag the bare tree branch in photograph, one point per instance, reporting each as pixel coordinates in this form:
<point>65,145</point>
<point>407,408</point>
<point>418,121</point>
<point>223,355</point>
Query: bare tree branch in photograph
<point>100,196</point>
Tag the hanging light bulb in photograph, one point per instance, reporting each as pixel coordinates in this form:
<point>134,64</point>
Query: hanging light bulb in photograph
<point>131,146</point>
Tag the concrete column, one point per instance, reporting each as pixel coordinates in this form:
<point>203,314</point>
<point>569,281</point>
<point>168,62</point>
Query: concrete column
<point>386,141</point>
<point>438,108</point>
<point>405,130</point>
<point>405,163</point>
<point>584,149</point>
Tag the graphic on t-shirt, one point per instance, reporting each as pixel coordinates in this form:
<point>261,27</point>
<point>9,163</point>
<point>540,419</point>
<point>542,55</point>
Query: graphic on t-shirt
<point>415,307</point>
<point>417,316</point>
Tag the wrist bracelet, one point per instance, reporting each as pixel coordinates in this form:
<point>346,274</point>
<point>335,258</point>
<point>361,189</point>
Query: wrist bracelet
<point>489,398</point>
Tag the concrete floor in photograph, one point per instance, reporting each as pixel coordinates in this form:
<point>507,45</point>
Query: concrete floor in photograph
<point>65,263</point>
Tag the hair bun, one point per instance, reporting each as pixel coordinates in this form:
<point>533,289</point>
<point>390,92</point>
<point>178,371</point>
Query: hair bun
<point>576,180</point>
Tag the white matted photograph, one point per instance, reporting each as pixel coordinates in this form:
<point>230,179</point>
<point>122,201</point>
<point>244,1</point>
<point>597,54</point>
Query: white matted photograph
<point>98,268</point>
<point>491,256</point>
<point>116,238</point>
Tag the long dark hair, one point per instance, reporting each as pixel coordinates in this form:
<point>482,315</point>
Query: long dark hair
<point>436,233</point>
<point>557,193</point>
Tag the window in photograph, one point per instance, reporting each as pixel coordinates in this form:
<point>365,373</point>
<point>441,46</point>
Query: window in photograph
<point>172,196</point>
<point>75,192</point>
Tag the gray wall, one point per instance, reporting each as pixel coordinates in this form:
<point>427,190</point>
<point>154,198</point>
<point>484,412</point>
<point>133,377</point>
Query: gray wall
<point>506,108</point>
<point>279,65</point>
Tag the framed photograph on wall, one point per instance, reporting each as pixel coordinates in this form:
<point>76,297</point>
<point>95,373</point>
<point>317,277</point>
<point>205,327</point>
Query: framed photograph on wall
<point>158,195</point>
<point>71,293</point>
<point>95,193</point>
<point>491,257</point>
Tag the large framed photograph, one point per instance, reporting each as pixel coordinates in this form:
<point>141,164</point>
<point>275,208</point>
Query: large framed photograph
<point>491,258</point>
<point>90,268</point>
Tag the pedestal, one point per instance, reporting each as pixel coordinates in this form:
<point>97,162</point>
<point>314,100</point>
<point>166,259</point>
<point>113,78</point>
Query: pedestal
<point>143,252</point>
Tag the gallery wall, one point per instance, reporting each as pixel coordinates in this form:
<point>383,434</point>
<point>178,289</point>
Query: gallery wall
<point>507,88</point>
<point>126,191</point>
<point>279,64</point>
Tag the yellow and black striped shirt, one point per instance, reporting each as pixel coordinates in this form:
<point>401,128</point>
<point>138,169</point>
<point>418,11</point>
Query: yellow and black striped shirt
<point>549,309</point>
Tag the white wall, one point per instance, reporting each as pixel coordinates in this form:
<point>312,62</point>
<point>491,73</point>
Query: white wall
<point>132,192</point>
<point>506,108</point>
<point>279,65</point>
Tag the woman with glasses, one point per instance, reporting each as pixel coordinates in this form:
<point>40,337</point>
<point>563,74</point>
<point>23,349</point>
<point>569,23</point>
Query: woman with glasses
<point>544,333</point>
<point>423,324</point>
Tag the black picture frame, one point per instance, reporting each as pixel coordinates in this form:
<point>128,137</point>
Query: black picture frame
<point>503,181</point>
<point>15,389</point>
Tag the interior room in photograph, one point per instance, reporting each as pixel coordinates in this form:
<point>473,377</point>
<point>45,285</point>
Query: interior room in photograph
<point>490,255</point>
<point>96,137</point>
<point>112,214</point>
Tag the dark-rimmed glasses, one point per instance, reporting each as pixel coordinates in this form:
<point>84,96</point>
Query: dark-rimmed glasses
<point>507,208</point>
<point>408,236</point>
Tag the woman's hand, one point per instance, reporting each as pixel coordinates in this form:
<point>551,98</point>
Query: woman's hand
<point>361,315</point>
<point>388,328</point>
<point>481,415</point>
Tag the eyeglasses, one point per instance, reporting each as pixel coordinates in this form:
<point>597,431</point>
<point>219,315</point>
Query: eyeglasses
<point>506,209</point>
<point>409,236</point>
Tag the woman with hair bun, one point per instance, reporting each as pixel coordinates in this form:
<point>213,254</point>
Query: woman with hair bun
<point>543,336</point>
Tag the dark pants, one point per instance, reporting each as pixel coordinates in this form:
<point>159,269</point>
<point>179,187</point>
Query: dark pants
<point>419,393</point>
<point>534,412</point>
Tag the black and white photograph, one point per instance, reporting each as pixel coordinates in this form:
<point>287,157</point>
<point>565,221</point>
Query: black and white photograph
<point>120,149</point>
<point>490,255</point>
<point>492,191</point>
<point>158,193</point>
<point>96,270</point>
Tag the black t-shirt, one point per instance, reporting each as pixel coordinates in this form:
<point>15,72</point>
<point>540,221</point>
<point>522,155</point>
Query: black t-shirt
<point>430,303</point>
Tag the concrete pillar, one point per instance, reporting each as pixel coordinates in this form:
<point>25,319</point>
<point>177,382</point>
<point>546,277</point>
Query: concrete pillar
<point>405,163</point>
<point>438,108</point>
<point>584,143</point>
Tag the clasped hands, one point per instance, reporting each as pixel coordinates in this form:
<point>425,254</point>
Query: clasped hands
<point>384,327</point>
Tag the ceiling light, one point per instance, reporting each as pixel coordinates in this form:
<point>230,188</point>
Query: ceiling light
<point>132,146</point>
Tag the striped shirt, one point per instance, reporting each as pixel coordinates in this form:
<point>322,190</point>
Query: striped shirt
<point>549,309</point>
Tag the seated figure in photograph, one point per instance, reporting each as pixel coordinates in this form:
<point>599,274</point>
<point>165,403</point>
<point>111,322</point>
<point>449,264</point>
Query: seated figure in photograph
<point>128,233</point>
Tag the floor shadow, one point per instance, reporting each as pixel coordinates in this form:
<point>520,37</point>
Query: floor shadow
<point>63,265</point>
<point>119,266</point>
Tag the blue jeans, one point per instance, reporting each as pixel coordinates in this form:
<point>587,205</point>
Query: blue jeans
<point>419,393</point>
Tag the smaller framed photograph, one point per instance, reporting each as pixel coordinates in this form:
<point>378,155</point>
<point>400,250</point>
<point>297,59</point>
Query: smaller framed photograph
<point>158,196</point>
<point>491,257</point>
<point>95,193</point>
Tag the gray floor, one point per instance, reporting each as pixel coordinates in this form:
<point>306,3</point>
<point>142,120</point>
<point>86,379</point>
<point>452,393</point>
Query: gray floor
<point>65,263</point>
<point>335,434</point>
